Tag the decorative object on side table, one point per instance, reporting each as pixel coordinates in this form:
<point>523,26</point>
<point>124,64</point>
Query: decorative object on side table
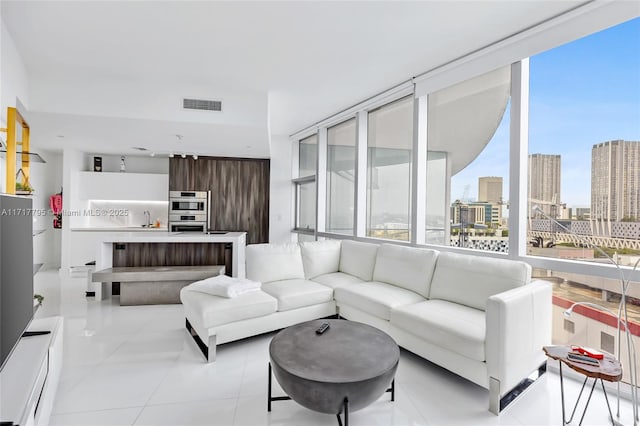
<point>621,319</point>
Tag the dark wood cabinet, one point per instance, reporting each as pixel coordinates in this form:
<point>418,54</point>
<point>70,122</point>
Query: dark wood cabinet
<point>239,191</point>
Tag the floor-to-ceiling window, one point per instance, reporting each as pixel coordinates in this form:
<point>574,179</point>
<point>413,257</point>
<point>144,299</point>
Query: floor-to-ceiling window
<point>584,177</point>
<point>390,142</point>
<point>575,185</point>
<point>341,174</point>
<point>468,142</point>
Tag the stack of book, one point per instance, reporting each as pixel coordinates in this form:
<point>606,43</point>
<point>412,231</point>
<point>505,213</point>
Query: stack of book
<point>585,355</point>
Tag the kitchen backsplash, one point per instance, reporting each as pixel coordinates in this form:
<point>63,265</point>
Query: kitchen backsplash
<point>113,213</point>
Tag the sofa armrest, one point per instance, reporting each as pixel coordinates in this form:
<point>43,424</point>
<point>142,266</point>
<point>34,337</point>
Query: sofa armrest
<point>518,326</point>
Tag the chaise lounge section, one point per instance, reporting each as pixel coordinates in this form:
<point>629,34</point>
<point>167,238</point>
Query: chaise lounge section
<point>481,318</point>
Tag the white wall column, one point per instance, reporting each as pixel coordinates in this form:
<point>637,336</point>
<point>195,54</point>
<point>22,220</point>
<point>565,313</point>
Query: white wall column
<point>419,171</point>
<point>518,156</point>
<point>281,189</point>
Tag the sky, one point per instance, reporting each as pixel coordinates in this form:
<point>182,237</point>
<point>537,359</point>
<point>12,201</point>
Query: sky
<point>581,93</point>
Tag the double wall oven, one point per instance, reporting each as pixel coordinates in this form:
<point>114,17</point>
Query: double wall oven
<point>188,211</point>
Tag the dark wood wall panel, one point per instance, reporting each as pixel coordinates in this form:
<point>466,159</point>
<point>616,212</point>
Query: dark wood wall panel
<point>174,254</point>
<point>239,191</point>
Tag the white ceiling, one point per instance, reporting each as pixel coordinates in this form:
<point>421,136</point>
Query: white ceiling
<point>110,75</point>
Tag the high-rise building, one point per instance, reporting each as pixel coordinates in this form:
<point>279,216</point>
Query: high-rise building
<point>615,181</point>
<point>544,183</point>
<point>490,189</point>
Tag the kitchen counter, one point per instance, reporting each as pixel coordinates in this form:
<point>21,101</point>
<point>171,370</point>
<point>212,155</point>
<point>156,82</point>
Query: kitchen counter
<point>104,255</point>
<point>177,237</point>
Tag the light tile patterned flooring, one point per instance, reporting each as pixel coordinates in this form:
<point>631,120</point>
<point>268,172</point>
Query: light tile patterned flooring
<point>136,365</point>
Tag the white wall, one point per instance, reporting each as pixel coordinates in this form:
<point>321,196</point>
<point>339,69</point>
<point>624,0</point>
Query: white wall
<point>13,85</point>
<point>13,76</point>
<point>280,223</point>
<point>46,179</point>
<point>72,160</point>
<point>133,163</point>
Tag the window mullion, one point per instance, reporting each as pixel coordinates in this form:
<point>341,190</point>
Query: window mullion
<point>518,156</point>
<point>360,211</point>
<point>321,181</point>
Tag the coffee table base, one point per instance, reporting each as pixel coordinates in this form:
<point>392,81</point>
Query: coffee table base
<point>345,404</point>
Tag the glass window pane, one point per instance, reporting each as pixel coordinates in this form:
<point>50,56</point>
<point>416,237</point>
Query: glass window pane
<point>341,172</point>
<point>390,142</point>
<point>303,238</point>
<point>308,156</point>
<point>584,176</point>
<point>306,217</point>
<point>468,140</point>
<point>436,205</point>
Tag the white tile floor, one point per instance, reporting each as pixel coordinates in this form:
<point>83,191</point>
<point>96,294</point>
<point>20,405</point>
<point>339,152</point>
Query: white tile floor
<point>138,366</point>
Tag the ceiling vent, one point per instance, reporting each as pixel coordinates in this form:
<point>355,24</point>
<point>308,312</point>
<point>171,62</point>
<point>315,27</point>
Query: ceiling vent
<point>201,104</point>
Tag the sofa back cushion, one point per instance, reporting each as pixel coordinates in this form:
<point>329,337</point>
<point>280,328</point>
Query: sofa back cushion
<point>320,257</point>
<point>358,259</point>
<point>274,262</point>
<point>407,267</point>
<point>470,280</point>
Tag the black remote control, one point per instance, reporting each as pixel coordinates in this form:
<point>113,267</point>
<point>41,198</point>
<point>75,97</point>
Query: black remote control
<point>324,327</point>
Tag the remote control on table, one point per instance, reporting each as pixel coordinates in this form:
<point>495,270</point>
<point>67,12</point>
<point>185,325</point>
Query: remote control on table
<point>324,327</point>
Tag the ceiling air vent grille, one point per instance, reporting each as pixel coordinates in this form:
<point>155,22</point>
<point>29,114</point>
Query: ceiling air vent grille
<point>201,104</point>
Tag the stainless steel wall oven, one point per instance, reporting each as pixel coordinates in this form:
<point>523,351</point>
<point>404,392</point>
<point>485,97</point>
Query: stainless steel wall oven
<point>188,211</point>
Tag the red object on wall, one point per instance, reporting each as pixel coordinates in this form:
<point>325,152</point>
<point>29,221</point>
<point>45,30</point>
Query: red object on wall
<point>55,202</point>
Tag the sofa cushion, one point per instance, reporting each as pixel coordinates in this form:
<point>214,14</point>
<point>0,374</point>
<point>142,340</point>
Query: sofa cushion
<point>471,280</point>
<point>458,328</point>
<point>358,258</point>
<point>406,267</point>
<point>320,257</point>
<point>292,294</point>
<point>375,298</point>
<point>337,279</point>
<point>273,262</point>
<point>215,310</point>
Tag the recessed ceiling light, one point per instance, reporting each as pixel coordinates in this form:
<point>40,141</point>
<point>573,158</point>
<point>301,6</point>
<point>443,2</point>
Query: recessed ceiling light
<point>195,157</point>
<point>184,155</point>
<point>60,136</point>
<point>171,155</point>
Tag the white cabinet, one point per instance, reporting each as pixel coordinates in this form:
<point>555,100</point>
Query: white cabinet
<point>30,377</point>
<point>123,186</point>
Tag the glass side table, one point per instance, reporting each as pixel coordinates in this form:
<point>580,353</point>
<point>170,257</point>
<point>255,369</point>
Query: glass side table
<point>609,369</point>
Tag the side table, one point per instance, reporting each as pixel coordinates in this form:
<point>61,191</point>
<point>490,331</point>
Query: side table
<point>609,369</point>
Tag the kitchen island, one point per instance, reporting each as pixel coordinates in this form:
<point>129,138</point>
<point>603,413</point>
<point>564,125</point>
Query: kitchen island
<point>111,243</point>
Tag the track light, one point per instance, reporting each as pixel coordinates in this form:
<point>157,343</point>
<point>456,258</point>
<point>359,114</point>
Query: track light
<point>195,157</point>
<point>184,155</point>
<point>171,155</point>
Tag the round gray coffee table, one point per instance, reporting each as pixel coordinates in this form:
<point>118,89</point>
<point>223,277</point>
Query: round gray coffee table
<point>344,369</point>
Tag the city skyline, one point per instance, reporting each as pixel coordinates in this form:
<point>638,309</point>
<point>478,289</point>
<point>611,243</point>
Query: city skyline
<point>581,94</point>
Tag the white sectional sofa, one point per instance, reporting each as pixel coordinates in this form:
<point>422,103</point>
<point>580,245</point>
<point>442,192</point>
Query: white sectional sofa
<point>481,318</point>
